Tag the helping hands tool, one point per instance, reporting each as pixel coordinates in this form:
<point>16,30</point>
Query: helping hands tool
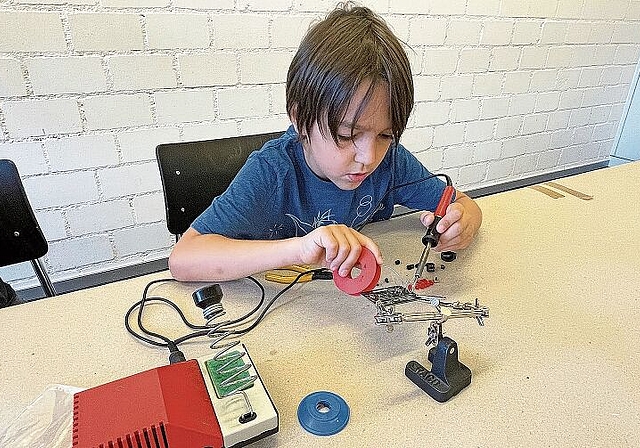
<point>432,236</point>
<point>448,375</point>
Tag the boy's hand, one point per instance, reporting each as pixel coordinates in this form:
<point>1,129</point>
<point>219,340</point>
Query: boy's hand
<point>336,246</point>
<point>459,225</point>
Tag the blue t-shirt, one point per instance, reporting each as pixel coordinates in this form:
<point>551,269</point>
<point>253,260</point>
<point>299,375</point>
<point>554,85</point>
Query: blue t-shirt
<point>275,195</point>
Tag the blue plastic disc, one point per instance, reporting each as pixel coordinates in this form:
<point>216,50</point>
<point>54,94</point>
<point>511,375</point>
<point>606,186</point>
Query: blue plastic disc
<point>323,413</point>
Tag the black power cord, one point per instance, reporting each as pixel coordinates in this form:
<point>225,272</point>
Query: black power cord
<point>175,355</point>
<point>397,187</point>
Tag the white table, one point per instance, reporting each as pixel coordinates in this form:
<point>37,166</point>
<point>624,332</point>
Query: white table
<point>556,364</point>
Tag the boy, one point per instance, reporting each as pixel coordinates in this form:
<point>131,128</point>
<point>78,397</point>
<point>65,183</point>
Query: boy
<point>301,197</point>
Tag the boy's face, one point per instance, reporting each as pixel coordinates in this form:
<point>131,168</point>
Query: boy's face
<point>349,163</point>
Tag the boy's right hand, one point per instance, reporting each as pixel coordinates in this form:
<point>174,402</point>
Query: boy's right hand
<point>336,246</point>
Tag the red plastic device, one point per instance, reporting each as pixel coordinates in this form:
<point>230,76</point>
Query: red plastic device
<point>166,407</point>
<point>366,281</point>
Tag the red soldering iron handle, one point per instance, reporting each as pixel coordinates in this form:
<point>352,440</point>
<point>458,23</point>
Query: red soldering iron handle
<point>445,200</point>
<point>433,236</point>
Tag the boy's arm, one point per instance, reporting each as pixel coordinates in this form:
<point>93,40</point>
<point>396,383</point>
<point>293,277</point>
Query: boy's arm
<point>459,225</point>
<point>212,257</point>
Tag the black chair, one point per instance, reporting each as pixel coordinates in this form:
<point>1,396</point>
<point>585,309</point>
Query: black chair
<point>21,238</point>
<point>193,173</point>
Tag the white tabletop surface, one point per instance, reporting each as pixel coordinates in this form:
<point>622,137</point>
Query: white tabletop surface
<point>556,363</point>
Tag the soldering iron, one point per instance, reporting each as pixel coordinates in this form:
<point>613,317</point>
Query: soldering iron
<point>432,236</point>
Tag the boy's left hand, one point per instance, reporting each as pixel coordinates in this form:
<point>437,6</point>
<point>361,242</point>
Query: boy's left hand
<point>458,226</point>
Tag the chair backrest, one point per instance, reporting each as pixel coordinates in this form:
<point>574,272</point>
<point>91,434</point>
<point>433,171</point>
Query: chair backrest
<point>21,238</point>
<point>194,173</point>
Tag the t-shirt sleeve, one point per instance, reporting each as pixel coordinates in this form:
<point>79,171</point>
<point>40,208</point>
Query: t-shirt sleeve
<point>424,192</point>
<point>241,205</point>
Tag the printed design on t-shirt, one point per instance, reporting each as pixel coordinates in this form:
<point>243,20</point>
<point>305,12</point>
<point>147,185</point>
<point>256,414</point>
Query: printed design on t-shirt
<point>368,217</point>
<point>321,219</point>
<point>362,212</point>
<point>274,232</point>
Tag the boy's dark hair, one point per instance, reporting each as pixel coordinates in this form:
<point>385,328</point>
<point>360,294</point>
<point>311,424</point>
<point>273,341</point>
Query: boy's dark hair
<point>350,46</point>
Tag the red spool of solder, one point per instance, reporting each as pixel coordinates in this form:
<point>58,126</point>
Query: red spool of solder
<point>366,280</point>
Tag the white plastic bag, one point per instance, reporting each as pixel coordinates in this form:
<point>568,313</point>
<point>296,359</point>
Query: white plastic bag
<point>45,423</point>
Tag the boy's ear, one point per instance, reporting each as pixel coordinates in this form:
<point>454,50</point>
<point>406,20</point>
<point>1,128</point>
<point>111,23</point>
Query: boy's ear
<point>292,117</point>
<point>294,123</point>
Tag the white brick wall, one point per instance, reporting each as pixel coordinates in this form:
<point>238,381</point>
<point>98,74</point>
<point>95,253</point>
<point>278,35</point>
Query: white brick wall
<point>117,111</point>
<point>184,106</point>
<point>31,31</point>
<point>136,146</point>
<point>255,31</point>
<point>58,190</point>
<point>505,89</point>
<point>28,156</point>
<point>82,152</point>
<point>11,75</point>
<point>207,69</point>
<point>72,254</point>
<point>105,31</point>
<point>264,67</point>
<point>106,215</point>
<point>66,75</point>
<point>243,102</point>
<point>28,118</point>
<point>129,180</point>
<point>141,72</point>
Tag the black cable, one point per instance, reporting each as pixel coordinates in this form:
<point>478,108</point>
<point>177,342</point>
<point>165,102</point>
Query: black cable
<point>133,308</point>
<point>250,313</point>
<point>141,309</point>
<point>396,187</point>
<point>175,354</point>
<point>207,331</point>
<point>220,329</point>
<point>272,301</point>
<point>159,299</point>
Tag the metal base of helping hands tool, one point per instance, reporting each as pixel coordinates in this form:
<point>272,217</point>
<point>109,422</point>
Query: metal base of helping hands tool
<point>448,375</point>
<point>365,280</point>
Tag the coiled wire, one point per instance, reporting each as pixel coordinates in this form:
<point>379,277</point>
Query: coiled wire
<point>219,332</point>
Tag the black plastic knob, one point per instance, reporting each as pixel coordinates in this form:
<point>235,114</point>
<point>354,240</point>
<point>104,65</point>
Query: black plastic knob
<point>448,256</point>
<point>207,296</point>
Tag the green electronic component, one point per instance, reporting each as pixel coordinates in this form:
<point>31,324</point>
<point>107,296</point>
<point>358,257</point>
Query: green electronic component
<point>222,368</point>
